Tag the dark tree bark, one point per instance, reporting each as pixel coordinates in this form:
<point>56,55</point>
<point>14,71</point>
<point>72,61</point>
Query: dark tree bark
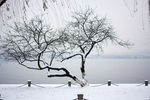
<point>2,2</point>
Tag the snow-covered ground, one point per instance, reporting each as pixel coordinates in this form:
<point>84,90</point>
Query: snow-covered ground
<point>91,92</point>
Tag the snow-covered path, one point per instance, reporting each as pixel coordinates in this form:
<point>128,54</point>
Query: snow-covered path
<point>50,92</point>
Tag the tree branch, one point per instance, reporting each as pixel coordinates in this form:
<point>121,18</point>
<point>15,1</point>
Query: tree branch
<point>92,46</point>
<point>71,57</point>
<point>2,2</point>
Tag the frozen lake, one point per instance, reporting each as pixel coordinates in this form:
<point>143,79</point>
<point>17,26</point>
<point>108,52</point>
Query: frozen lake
<point>98,71</point>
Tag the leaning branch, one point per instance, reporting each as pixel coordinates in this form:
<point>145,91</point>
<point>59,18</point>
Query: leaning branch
<point>2,2</point>
<point>92,46</point>
<point>58,75</point>
<point>71,57</point>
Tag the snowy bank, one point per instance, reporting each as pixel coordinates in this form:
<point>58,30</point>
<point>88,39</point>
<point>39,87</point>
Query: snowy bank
<point>60,92</point>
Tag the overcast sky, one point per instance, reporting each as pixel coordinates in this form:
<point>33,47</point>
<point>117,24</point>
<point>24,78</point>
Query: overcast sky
<point>129,25</point>
<point>130,19</point>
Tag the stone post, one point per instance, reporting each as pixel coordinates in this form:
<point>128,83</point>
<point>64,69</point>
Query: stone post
<point>29,83</point>
<point>80,96</point>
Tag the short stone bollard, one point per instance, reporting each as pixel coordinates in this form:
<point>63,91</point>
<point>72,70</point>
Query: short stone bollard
<point>109,82</point>
<point>69,83</point>
<point>146,82</point>
<point>29,83</point>
<point>80,96</point>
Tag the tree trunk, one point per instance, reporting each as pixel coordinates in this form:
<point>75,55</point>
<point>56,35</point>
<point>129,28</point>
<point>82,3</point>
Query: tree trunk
<point>82,84</point>
<point>83,67</point>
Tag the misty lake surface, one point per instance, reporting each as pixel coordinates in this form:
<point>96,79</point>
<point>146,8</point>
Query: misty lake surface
<point>97,71</point>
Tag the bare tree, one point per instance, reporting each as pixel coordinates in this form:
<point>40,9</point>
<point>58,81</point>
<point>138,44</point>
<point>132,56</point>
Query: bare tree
<point>85,33</point>
<point>34,42</point>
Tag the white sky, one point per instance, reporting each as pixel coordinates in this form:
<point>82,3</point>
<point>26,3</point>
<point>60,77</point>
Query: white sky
<point>128,25</point>
<point>120,13</point>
